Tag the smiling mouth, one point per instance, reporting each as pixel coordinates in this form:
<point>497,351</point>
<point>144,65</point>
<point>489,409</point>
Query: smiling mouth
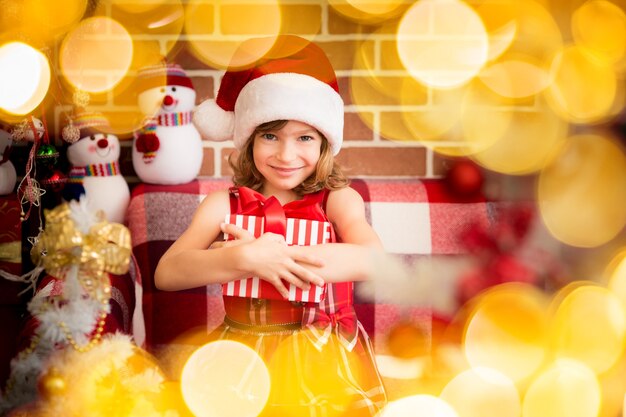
<point>102,152</point>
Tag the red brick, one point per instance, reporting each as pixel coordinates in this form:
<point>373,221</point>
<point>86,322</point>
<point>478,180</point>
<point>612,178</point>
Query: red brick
<point>184,55</point>
<point>208,165</point>
<point>249,19</point>
<point>383,161</point>
<point>204,87</point>
<point>302,19</point>
<point>226,171</point>
<point>339,23</point>
<point>342,53</point>
<point>355,128</point>
<point>385,90</point>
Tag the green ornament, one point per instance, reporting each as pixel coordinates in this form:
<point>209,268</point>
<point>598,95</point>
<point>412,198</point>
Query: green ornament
<point>47,154</point>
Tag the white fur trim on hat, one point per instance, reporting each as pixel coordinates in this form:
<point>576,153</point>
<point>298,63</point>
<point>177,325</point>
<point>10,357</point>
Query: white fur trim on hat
<point>213,122</point>
<point>289,96</point>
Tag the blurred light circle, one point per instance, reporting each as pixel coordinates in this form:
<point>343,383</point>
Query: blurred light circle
<point>589,326</point>
<point>442,43</point>
<point>601,26</point>
<point>507,331</point>
<point>55,17</point>
<point>516,77</point>
<point>566,389</point>
<point>148,18</point>
<point>521,139</point>
<point>418,405</point>
<point>219,47</point>
<point>96,55</point>
<point>225,379</point>
<point>499,18</point>
<point>617,276</point>
<point>478,392</point>
<point>24,77</point>
<point>581,193</point>
<point>368,12</point>
<point>584,86</point>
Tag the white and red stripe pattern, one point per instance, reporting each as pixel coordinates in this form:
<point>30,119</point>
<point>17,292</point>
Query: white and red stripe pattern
<point>299,232</point>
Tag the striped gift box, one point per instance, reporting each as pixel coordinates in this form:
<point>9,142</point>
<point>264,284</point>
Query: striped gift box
<point>299,232</point>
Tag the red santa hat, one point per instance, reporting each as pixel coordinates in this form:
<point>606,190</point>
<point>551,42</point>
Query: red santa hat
<point>162,75</point>
<point>293,81</point>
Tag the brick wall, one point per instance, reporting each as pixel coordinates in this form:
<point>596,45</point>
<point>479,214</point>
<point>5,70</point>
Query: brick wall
<point>366,151</point>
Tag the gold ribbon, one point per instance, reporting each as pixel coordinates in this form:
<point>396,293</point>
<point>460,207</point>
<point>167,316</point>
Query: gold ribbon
<point>105,249</point>
<point>11,252</point>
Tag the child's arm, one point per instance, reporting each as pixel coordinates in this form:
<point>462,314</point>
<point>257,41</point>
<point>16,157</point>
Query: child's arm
<point>351,260</point>
<point>188,263</point>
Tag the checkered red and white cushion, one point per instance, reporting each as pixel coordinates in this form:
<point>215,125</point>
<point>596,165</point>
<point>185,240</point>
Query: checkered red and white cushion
<point>412,217</point>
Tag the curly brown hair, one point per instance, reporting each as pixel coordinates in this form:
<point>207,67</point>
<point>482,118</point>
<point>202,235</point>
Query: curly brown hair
<point>328,174</point>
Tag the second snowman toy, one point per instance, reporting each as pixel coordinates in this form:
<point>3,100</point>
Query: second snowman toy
<point>168,148</point>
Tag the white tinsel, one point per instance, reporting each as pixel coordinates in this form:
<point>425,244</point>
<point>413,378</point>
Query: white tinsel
<point>83,214</point>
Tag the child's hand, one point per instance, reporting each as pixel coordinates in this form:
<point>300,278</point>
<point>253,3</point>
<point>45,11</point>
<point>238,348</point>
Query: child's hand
<point>239,234</point>
<point>272,260</point>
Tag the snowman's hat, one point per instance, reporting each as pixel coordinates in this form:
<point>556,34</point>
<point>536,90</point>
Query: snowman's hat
<point>162,75</point>
<point>85,124</point>
<point>293,81</point>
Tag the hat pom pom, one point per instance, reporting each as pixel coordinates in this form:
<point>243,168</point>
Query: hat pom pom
<point>213,122</point>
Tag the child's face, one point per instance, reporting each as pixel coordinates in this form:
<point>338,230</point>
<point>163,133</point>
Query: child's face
<point>287,156</point>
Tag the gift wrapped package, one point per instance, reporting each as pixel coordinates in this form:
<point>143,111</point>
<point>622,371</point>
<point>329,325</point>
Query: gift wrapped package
<point>301,232</point>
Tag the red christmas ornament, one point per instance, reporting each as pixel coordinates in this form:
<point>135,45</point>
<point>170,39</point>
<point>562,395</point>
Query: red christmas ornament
<point>55,181</point>
<point>464,178</point>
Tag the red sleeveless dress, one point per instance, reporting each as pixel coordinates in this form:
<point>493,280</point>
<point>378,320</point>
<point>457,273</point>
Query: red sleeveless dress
<point>320,358</point>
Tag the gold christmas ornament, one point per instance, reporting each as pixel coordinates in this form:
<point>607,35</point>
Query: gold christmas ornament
<point>51,384</point>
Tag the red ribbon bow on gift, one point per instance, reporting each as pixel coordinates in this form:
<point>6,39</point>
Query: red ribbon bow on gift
<point>253,203</point>
<point>320,325</point>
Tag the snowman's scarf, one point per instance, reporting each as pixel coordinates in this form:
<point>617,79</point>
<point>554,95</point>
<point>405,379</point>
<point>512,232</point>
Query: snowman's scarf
<point>94,170</point>
<point>174,119</point>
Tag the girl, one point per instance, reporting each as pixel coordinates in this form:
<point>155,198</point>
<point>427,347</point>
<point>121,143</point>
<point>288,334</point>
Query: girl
<point>286,118</point>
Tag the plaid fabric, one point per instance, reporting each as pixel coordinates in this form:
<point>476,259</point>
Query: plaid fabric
<point>413,218</point>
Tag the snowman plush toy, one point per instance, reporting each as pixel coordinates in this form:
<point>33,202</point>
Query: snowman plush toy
<point>168,148</point>
<point>8,176</point>
<point>95,171</point>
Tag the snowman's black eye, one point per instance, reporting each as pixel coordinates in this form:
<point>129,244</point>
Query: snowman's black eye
<point>92,137</point>
<point>173,88</point>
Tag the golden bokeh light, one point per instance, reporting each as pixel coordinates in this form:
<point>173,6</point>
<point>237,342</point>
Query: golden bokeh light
<point>566,389</point>
<point>589,173</point>
<point>616,271</point>
<point>478,392</point>
<point>437,125</point>
<point>216,46</point>
<point>507,331</point>
<point>154,18</point>
<point>516,77</point>
<point>305,376</point>
<point>583,87</point>
<point>537,35</point>
<point>224,379</point>
<point>526,144</point>
<point>499,18</point>
<point>368,11</point>
<point>24,78</point>
<point>40,23</point>
<point>600,25</point>
<point>418,405</point>
<point>442,43</point>
<point>589,326</point>
<point>96,55</point>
